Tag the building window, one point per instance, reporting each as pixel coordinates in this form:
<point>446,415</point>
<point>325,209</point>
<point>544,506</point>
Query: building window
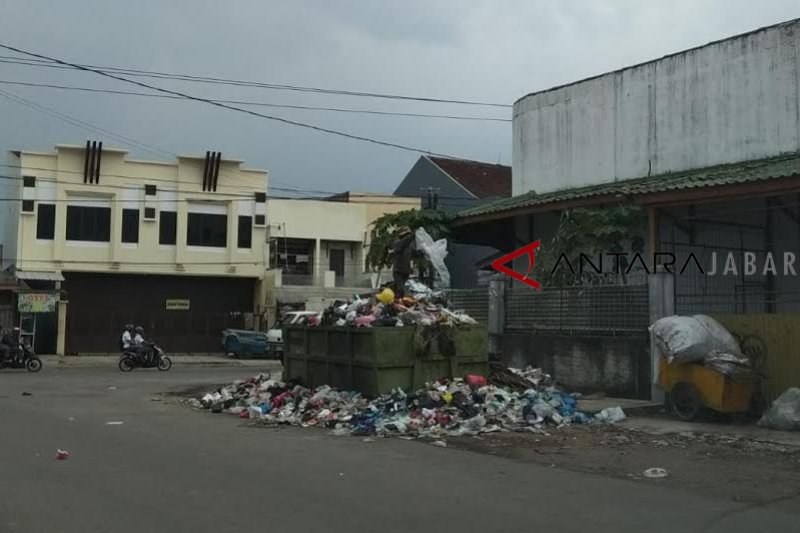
<point>150,213</point>
<point>27,206</point>
<point>130,225</point>
<point>204,229</point>
<point>245,232</point>
<point>46,222</point>
<point>261,220</point>
<point>167,227</point>
<point>88,223</point>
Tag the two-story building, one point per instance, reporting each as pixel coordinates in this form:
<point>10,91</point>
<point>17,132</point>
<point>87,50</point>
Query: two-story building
<point>177,247</point>
<point>318,247</point>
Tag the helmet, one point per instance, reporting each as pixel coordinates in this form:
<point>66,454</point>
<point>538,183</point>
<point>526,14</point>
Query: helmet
<point>129,327</point>
<point>139,329</point>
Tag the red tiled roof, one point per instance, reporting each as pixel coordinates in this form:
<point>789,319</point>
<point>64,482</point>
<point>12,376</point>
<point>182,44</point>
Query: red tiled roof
<point>484,180</point>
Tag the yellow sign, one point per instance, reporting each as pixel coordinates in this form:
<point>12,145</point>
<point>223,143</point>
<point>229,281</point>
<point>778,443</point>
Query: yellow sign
<point>178,305</point>
<point>37,302</point>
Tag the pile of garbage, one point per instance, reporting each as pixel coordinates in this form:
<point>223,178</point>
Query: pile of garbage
<point>700,338</point>
<point>421,306</point>
<point>468,406</point>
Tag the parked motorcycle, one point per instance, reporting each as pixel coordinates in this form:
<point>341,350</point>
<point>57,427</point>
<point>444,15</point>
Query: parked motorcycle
<point>21,355</point>
<point>155,358</point>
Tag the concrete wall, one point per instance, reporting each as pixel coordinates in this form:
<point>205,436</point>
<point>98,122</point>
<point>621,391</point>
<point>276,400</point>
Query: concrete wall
<point>122,182</point>
<point>727,101</point>
<point>317,219</point>
<point>616,366</point>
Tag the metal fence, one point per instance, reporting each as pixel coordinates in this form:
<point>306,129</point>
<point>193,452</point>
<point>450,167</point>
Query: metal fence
<point>475,302</point>
<point>607,310</point>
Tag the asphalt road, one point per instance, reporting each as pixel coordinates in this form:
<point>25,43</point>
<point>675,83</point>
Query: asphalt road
<point>170,469</point>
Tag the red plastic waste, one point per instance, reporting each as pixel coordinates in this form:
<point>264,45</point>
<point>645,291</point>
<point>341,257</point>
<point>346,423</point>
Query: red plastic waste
<point>61,455</point>
<point>475,380</point>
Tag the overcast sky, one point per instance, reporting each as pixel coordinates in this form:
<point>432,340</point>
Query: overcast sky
<point>494,51</point>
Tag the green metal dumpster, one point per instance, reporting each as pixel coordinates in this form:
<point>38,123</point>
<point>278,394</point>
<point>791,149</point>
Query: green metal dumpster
<point>373,361</point>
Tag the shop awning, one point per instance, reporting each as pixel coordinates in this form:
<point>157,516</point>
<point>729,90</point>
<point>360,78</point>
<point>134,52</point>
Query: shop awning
<point>38,275</point>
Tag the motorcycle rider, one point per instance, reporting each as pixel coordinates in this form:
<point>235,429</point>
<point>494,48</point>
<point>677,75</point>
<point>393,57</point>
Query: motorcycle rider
<point>126,340</point>
<point>138,342</point>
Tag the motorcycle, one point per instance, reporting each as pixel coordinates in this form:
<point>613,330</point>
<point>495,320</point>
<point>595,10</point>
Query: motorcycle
<point>155,358</point>
<point>22,356</point>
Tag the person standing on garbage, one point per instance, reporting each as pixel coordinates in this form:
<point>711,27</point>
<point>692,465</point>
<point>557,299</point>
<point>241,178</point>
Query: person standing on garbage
<point>402,250</point>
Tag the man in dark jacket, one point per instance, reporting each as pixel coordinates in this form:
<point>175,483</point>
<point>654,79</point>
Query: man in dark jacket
<point>403,249</point>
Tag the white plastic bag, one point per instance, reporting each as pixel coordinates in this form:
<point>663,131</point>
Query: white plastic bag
<point>610,415</point>
<point>435,252</point>
<point>692,338</point>
<point>784,413</point>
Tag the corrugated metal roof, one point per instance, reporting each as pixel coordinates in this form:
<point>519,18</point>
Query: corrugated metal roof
<point>39,275</point>
<point>736,173</point>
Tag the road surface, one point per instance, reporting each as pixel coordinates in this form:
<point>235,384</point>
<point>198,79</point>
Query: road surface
<point>167,468</point>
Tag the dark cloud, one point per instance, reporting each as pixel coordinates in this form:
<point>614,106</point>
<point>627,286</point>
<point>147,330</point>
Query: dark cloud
<point>483,50</point>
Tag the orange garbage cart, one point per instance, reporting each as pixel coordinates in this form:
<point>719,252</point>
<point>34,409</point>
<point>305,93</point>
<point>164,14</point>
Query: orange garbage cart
<point>690,387</point>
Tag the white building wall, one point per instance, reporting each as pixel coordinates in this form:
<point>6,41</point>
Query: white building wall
<point>10,187</point>
<point>727,101</point>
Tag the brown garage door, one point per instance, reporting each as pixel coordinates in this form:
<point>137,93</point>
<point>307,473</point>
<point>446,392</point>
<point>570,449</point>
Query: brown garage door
<point>101,304</point>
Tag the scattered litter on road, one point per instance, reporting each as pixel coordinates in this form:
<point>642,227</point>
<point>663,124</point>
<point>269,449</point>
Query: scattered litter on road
<point>784,413</point>
<point>439,443</point>
<point>368,440</point>
<point>26,393</point>
<point>115,423</point>
<point>655,473</point>
<point>62,455</point>
<point>112,388</point>
<point>440,409</point>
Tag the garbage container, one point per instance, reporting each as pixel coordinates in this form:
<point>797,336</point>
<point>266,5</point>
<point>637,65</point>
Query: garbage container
<point>373,361</point>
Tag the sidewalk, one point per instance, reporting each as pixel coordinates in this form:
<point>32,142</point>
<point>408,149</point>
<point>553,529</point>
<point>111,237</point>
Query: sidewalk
<point>671,426</point>
<point>102,361</point>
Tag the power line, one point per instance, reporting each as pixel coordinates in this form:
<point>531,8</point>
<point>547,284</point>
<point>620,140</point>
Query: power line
<point>97,129</point>
<point>262,104</point>
<point>217,196</point>
<point>44,61</point>
<point>328,194</point>
<point>228,106</point>
<point>108,262</point>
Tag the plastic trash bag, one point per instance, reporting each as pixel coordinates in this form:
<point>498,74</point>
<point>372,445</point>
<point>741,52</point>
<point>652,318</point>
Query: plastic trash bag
<point>784,413</point>
<point>691,338</point>
<point>727,364</point>
<point>610,415</point>
<point>435,252</point>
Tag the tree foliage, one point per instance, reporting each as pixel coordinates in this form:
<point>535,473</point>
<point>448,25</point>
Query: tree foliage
<point>592,231</point>
<point>385,231</point>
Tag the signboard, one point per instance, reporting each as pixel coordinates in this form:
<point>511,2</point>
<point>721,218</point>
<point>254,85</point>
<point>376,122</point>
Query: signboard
<point>37,302</point>
<point>178,305</point>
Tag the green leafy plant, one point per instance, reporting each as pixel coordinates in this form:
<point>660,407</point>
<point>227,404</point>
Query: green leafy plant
<point>385,231</point>
<point>592,231</point>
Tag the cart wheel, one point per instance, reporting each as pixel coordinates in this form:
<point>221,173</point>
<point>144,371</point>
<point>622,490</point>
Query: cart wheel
<point>684,401</point>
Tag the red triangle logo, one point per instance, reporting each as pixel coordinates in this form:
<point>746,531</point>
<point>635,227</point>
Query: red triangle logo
<point>530,251</point>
